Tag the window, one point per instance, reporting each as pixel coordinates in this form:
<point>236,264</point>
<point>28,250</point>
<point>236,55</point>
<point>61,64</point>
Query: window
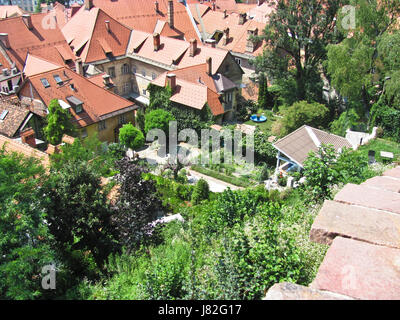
<point>133,69</point>
<point>45,83</point>
<point>127,87</point>
<point>144,92</point>
<point>3,114</point>
<point>102,125</point>
<point>121,119</point>
<point>58,79</point>
<point>111,72</point>
<point>78,108</point>
<point>228,96</point>
<point>153,76</point>
<point>125,68</point>
<point>143,73</point>
<point>238,61</point>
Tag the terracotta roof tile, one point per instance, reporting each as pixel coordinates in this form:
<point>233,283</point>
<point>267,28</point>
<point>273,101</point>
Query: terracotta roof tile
<point>98,103</point>
<point>87,33</point>
<point>10,11</point>
<point>35,65</point>
<point>41,41</point>
<point>141,15</point>
<point>12,145</point>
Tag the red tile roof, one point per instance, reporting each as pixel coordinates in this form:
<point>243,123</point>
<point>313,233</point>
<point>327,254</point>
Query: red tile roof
<point>215,21</point>
<point>12,145</point>
<point>194,88</point>
<point>41,41</point>
<point>10,11</point>
<point>87,34</point>
<point>141,15</point>
<point>173,52</point>
<point>220,5</point>
<point>98,104</point>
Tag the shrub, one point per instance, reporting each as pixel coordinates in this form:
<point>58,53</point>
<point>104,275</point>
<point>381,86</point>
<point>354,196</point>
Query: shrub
<point>158,119</point>
<point>131,137</point>
<point>201,191</point>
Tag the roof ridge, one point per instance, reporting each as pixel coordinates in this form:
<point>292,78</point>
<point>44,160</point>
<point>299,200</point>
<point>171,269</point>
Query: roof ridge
<point>89,41</point>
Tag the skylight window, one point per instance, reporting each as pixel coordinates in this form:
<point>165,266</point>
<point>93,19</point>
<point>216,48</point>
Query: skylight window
<point>3,114</point>
<point>45,83</point>
<point>58,79</point>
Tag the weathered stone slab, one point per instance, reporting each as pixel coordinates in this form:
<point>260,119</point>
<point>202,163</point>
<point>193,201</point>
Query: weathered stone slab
<point>369,197</point>
<point>385,183</point>
<point>291,291</point>
<point>349,221</point>
<point>395,173</point>
<point>360,270</point>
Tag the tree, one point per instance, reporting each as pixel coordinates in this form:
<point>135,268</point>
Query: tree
<point>264,151</point>
<point>131,137</point>
<point>303,113</point>
<point>158,119</point>
<point>201,191</point>
<point>23,233</point>
<point>355,64</point>
<point>58,123</point>
<point>297,34</point>
<point>79,218</point>
<point>137,205</point>
<point>265,100</point>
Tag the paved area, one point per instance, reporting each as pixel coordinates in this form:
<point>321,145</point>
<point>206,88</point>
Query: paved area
<point>215,184</point>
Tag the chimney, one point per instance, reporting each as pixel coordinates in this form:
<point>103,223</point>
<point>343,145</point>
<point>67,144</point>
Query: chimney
<point>28,21</point>
<point>225,14</point>
<point>242,18</point>
<point>209,66</point>
<point>193,47</point>
<point>156,7</point>
<point>106,80</point>
<point>156,40</point>
<point>4,39</point>
<point>225,38</point>
<point>52,149</point>
<point>170,13</point>
<point>107,25</point>
<point>210,43</point>
<point>79,66</point>
<point>250,45</point>
<point>213,6</point>
<point>88,4</point>
<point>28,137</point>
<point>171,80</point>
<point>260,2</point>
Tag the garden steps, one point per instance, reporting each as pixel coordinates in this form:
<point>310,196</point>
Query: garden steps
<point>360,270</point>
<point>291,291</point>
<point>362,227</point>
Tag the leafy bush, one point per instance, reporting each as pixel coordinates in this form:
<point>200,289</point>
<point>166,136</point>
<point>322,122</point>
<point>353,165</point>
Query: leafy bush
<point>158,119</point>
<point>131,137</point>
<point>201,191</point>
<point>232,180</point>
<point>58,123</point>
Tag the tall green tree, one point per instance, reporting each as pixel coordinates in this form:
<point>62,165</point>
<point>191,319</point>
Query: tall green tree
<point>357,64</point>
<point>131,137</point>
<point>58,123</point>
<point>297,34</point>
<point>78,214</point>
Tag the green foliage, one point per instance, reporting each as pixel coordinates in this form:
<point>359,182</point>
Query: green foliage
<point>23,248</point>
<point>158,119</point>
<point>79,219</point>
<point>131,137</point>
<point>325,169</point>
<point>293,27</point>
<point>240,182</point>
<point>244,108</point>
<point>201,191</point>
<point>347,120</point>
<point>91,150</point>
<point>303,113</point>
<point>263,149</point>
<point>140,119</point>
<point>58,123</point>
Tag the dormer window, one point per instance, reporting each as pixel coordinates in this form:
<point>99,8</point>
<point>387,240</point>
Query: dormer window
<point>45,83</point>
<point>76,103</point>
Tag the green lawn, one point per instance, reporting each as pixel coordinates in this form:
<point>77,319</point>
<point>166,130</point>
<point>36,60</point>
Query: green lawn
<point>265,126</point>
<point>379,145</point>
